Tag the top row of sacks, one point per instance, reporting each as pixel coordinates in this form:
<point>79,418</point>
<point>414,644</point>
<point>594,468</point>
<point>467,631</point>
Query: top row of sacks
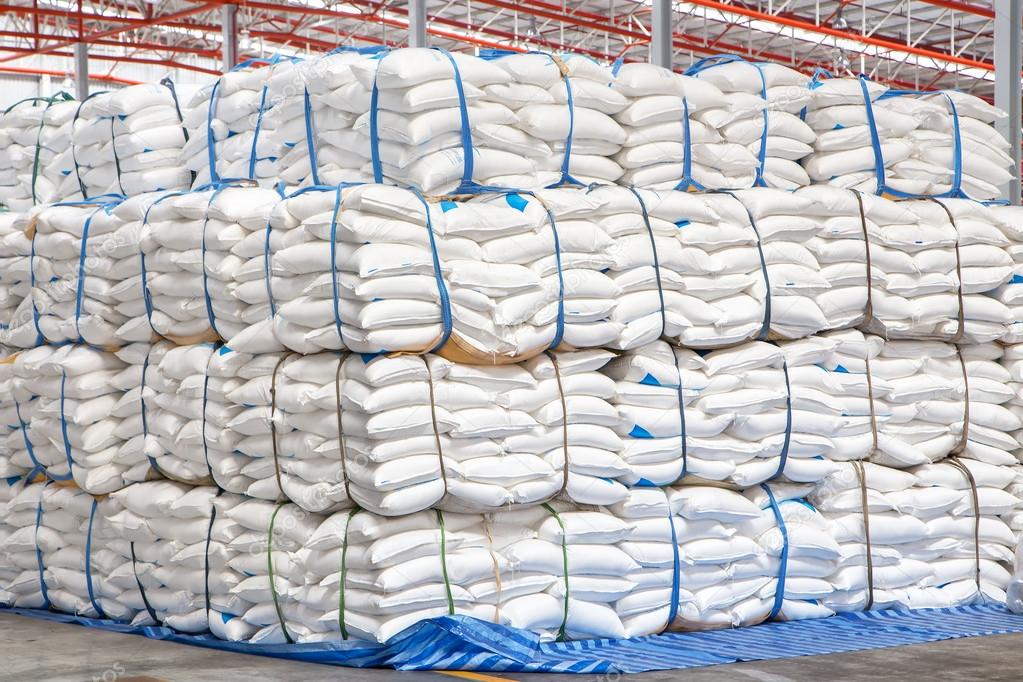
<point>501,277</point>
<point>445,122</point>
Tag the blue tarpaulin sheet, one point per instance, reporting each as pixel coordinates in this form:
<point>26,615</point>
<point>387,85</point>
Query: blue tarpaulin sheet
<point>463,643</point>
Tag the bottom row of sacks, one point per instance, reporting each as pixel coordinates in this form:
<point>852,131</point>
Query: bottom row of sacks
<point>682,558</point>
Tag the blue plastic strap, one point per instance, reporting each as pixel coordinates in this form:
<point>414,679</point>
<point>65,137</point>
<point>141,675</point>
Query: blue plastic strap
<point>682,418</point>
<point>442,289</point>
<point>210,314</point>
<point>211,153</point>
<point>957,152</point>
<point>113,150</point>
<point>64,432</point>
<point>28,442</point>
<point>40,339</point>
<point>875,140</point>
<point>39,552</point>
<point>80,289</point>
<point>566,160</point>
<point>310,138</point>
<point>559,330</point>
<point>374,136</point>
<point>713,60</point>
<point>676,567</point>
<point>255,134</point>
<point>147,295</point>
<point>468,162</point>
<point>784,456</point>
<point>762,154</point>
<point>657,261</point>
<point>336,294</point>
<point>268,270</point>
<point>205,402</point>
<point>88,562</point>
<point>765,328</point>
<point>783,560</point>
<point>687,180</point>
<point>74,155</point>
<point>142,590</point>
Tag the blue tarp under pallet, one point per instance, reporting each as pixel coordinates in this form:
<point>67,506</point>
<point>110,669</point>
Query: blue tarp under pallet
<point>462,643</point>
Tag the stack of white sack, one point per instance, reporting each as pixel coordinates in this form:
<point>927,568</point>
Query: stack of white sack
<point>563,111</point>
<point>718,255</point>
<point>35,136</point>
<point>666,145</point>
<point>918,399</point>
<point>758,115</point>
<point>176,565</point>
<point>313,123</point>
<point>15,275</point>
<point>932,278</point>
<point>920,544</point>
<point>497,278</point>
<point>1014,518</point>
<point>204,262</point>
<point>415,431</point>
<point>86,276</point>
<point>849,223</point>
<point>875,140</point>
<point>177,394</point>
<point>15,457</point>
<point>553,570</point>
<point>127,142</point>
<point>742,415</point>
<point>1011,293</point>
<point>726,555</point>
<point>236,113</point>
<point>10,486</point>
<point>417,117</point>
<point>85,420</point>
<point>1012,360</point>
<point>58,543</point>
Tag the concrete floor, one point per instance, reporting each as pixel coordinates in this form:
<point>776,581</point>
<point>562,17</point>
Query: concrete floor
<point>35,650</point>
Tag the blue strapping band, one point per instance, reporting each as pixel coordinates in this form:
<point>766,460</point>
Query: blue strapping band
<point>310,137</point>
<point>566,160</point>
<point>765,328</point>
<point>875,140</point>
<point>255,134</point>
<point>333,262</point>
<point>64,433</point>
<point>676,566</point>
<point>40,339</point>
<point>468,162</point>
<point>267,270</point>
<point>210,314</point>
<point>783,560</point>
<point>147,295</point>
<point>117,159</point>
<point>211,153</point>
<point>687,180</point>
<point>682,418</point>
<point>39,552</point>
<point>88,562</point>
<point>74,156</point>
<point>442,289</point>
<point>80,289</point>
<point>657,261</point>
<point>28,443</point>
<point>784,456</point>
<point>559,330</point>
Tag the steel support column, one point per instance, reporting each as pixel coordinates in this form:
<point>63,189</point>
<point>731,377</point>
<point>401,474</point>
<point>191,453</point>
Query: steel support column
<point>417,23</point>
<point>81,70</point>
<point>661,33</point>
<point>1008,65</point>
<point>229,35</point>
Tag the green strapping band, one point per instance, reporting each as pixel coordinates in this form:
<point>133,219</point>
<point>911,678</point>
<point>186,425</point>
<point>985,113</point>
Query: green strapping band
<point>59,97</point>
<point>344,576</point>
<point>270,573</point>
<point>564,558</point>
<point>444,561</point>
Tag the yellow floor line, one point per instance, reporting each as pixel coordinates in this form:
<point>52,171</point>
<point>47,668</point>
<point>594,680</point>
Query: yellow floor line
<point>479,677</point>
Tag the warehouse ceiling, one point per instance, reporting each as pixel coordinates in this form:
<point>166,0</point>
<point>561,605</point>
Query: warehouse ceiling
<point>913,44</point>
